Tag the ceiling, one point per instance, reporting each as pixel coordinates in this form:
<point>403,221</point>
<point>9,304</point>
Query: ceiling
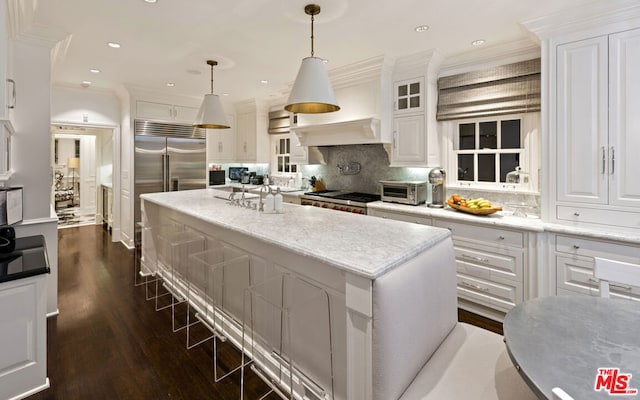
<point>255,40</point>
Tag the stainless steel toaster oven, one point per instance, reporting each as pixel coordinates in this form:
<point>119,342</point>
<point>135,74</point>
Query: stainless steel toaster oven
<point>404,192</point>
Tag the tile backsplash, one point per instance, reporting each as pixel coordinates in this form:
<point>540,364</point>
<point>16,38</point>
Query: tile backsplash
<point>373,164</point>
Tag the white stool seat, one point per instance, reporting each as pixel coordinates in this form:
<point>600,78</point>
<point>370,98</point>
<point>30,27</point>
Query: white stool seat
<point>471,363</point>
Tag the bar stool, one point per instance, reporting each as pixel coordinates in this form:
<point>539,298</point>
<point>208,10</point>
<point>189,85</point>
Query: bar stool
<point>217,278</point>
<point>173,263</point>
<point>287,334</point>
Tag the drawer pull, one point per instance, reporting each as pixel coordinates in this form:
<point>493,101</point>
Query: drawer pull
<point>577,214</point>
<point>467,284</point>
<point>501,237</point>
<point>575,246</point>
<point>468,257</point>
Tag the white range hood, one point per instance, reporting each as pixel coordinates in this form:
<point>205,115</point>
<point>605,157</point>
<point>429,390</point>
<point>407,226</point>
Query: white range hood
<point>359,131</point>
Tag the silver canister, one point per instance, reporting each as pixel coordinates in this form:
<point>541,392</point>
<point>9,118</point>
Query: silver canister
<point>437,178</point>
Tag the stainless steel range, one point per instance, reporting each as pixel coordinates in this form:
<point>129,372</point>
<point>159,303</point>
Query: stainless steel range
<point>354,202</point>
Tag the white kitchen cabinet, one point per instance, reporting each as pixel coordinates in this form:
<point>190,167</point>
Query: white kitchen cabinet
<point>166,112</point>
<point>221,143</point>
<point>398,216</point>
<point>415,129</point>
<point>408,96</point>
<point>597,130</point>
<point>251,137</point>
<point>408,147</point>
<point>490,267</point>
<point>246,149</point>
<point>574,262</point>
<point>7,85</point>
<point>23,329</point>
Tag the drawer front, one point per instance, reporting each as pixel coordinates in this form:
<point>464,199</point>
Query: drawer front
<point>599,216</point>
<point>507,264</point>
<point>576,275</point>
<point>596,248</point>
<point>417,219</point>
<point>495,295</point>
<point>482,234</point>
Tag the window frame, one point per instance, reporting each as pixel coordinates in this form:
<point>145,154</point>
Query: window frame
<point>529,153</point>
<point>276,155</point>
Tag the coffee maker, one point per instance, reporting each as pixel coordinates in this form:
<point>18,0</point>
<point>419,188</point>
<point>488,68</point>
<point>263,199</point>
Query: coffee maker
<point>437,180</point>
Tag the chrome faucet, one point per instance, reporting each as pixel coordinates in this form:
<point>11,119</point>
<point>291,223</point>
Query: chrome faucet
<point>266,188</point>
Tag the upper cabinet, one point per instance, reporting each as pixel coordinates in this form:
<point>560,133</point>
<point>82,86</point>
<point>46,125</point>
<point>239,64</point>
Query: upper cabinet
<point>7,97</point>
<point>597,129</point>
<point>7,85</point>
<point>166,112</point>
<point>415,140</point>
<point>408,96</point>
<point>251,137</point>
<point>221,143</point>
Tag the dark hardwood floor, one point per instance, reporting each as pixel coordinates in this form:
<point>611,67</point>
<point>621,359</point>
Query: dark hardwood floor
<point>109,343</point>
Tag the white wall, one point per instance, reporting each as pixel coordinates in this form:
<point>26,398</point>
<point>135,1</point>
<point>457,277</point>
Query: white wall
<point>84,106</point>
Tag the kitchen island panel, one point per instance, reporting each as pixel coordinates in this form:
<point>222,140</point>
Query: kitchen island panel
<point>339,252</point>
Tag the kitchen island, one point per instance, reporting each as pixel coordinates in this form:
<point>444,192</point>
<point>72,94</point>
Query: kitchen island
<point>391,284</point>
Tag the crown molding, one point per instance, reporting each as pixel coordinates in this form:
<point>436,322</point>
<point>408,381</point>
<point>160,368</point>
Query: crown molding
<point>506,53</point>
<point>599,13</point>
<point>24,28</point>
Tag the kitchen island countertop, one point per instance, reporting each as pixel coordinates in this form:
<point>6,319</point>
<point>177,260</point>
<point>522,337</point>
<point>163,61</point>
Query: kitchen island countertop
<point>368,247</point>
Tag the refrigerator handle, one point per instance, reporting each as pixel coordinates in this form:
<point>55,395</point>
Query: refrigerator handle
<point>171,182</point>
<point>165,164</point>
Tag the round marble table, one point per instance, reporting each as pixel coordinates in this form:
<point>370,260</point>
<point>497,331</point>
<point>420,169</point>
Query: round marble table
<point>563,341</point>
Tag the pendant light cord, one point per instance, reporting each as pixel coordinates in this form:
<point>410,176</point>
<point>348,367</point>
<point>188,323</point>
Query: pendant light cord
<point>311,35</point>
<point>211,79</point>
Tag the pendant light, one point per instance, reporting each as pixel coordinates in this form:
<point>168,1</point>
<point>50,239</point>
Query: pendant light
<point>211,114</point>
<point>312,92</point>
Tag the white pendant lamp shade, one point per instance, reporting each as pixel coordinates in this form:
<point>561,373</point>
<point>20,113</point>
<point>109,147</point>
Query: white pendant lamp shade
<point>312,92</point>
<point>211,114</point>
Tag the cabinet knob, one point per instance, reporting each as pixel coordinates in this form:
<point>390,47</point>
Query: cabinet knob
<point>501,237</point>
<point>577,214</point>
<point>575,246</point>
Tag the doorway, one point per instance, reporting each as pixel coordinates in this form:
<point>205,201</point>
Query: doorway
<point>82,168</point>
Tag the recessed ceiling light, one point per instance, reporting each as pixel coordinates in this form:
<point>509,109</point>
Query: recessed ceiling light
<point>94,71</point>
<point>151,1</point>
<point>85,84</point>
<point>421,28</point>
<point>478,42</point>
<point>264,81</point>
<point>114,45</point>
<point>170,84</point>
<point>324,60</point>
<point>225,94</point>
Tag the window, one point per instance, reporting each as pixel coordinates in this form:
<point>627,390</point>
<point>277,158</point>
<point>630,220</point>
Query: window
<point>282,162</point>
<point>486,150</point>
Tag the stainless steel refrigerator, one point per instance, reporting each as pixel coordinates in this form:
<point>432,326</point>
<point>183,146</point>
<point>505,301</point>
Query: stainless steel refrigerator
<point>168,157</point>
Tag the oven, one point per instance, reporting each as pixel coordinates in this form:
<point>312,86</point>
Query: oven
<point>353,202</point>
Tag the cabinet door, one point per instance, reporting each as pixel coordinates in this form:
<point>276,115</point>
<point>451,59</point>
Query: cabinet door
<point>582,137</point>
<point>220,145</point>
<point>185,114</point>
<point>5,86</point>
<point>624,119</point>
<point>246,137</point>
<point>408,141</point>
<point>151,110</point>
<point>408,96</point>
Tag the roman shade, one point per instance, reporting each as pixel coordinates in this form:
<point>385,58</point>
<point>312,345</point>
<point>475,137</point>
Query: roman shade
<point>506,89</point>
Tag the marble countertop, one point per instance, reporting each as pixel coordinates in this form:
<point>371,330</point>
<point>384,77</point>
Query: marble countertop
<point>503,219</point>
<point>355,243</point>
<point>498,219</point>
